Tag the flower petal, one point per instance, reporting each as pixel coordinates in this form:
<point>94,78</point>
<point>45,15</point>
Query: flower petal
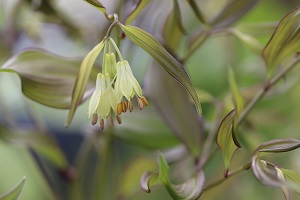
<point>95,96</point>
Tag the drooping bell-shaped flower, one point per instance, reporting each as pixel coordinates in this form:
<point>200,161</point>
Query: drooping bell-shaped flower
<point>127,86</point>
<point>103,100</point>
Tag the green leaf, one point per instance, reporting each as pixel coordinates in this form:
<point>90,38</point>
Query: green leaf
<point>173,28</point>
<point>14,193</point>
<point>239,104</point>
<point>278,145</point>
<point>231,12</point>
<point>46,78</point>
<point>82,79</point>
<point>225,139</point>
<point>292,179</point>
<point>145,129</point>
<point>164,58</point>
<point>138,9</point>
<point>99,6</point>
<point>173,104</point>
<point>197,11</point>
<point>284,41</point>
<point>191,189</point>
<point>249,41</point>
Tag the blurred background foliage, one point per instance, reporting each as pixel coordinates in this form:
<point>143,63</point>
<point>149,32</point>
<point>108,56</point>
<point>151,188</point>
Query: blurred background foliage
<point>35,144</point>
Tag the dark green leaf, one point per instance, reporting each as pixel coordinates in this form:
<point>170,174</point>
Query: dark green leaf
<point>191,189</point>
<point>173,103</point>
<point>231,12</point>
<point>138,9</point>
<point>14,193</point>
<point>173,28</point>
<point>225,139</point>
<point>46,78</point>
<point>197,11</point>
<point>82,79</point>
<point>278,145</point>
<point>284,42</point>
<point>164,58</point>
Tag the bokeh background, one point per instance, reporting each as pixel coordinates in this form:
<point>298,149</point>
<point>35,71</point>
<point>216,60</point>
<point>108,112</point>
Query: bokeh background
<point>34,142</point>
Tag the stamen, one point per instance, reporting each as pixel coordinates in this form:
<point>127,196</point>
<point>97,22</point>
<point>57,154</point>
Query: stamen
<point>119,119</point>
<point>130,106</point>
<point>140,103</point>
<point>124,106</point>
<point>94,119</point>
<point>119,108</point>
<point>101,124</point>
<point>145,102</point>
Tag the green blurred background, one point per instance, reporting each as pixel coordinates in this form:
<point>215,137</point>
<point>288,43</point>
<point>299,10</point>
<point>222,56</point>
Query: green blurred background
<point>277,116</point>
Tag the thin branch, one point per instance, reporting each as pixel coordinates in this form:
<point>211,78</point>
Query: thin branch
<point>230,174</point>
<point>269,84</point>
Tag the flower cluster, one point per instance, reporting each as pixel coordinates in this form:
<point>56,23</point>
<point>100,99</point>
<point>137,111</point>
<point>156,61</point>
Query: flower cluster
<point>115,88</point>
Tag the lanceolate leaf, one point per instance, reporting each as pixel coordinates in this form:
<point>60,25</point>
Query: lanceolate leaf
<point>278,145</point>
<point>284,42</point>
<point>46,78</point>
<point>197,11</point>
<point>82,79</point>
<point>281,177</point>
<point>14,193</point>
<point>139,7</point>
<point>249,41</point>
<point>173,29</point>
<point>164,58</point>
<point>99,6</point>
<point>191,189</point>
<point>225,139</point>
<point>238,104</point>
<point>232,11</point>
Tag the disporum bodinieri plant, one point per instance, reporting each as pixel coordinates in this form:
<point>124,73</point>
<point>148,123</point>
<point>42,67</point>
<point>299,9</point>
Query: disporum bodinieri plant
<point>159,57</point>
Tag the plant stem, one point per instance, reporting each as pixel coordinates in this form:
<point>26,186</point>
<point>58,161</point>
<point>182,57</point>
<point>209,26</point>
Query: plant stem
<point>230,174</point>
<point>101,169</point>
<point>267,86</point>
<point>211,136</point>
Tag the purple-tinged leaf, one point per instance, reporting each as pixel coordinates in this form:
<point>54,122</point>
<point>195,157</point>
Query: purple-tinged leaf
<point>173,104</point>
<point>231,12</point>
<point>173,28</point>
<point>46,78</point>
<point>278,145</point>
<point>264,173</point>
